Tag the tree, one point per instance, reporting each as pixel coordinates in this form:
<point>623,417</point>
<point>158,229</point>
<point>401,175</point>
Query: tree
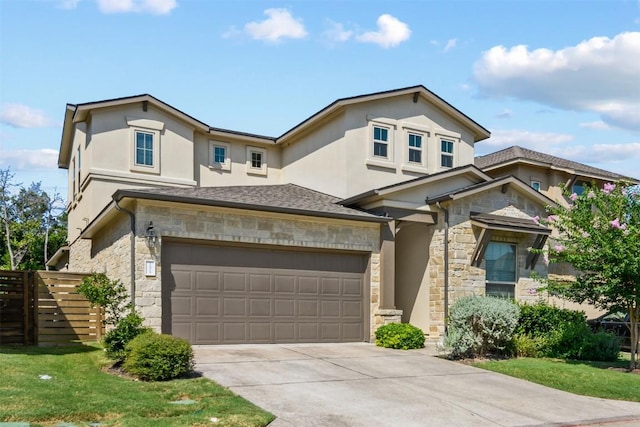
<point>33,224</point>
<point>599,235</point>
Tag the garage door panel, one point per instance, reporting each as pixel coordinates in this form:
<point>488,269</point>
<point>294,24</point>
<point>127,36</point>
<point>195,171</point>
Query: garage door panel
<point>228,295</point>
<point>234,332</point>
<point>260,307</point>
<point>234,282</point>
<point>207,281</point>
<point>260,283</point>
<point>234,307</point>
<point>284,284</point>
<point>207,306</point>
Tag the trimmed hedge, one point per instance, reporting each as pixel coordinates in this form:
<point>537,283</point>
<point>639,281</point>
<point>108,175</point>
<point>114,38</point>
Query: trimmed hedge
<point>402,336</point>
<point>158,357</point>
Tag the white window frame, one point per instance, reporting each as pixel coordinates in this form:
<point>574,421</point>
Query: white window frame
<point>226,165</point>
<point>451,155</point>
<point>421,149</point>
<point>262,170</point>
<point>147,126</point>
<point>535,184</point>
<point>515,273</point>
<point>387,143</point>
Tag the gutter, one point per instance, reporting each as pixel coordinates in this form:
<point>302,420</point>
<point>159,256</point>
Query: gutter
<point>133,251</point>
<point>446,265</point>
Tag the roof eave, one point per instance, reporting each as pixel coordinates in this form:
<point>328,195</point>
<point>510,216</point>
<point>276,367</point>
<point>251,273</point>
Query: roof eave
<point>64,154</point>
<point>121,194</point>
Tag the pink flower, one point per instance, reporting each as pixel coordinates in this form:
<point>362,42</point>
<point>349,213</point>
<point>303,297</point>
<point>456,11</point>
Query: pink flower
<point>545,259</point>
<point>608,187</point>
<point>616,224</point>
<point>536,219</point>
<point>573,197</point>
<point>591,195</point>
<point>552,218</point>
<point>558,248</point>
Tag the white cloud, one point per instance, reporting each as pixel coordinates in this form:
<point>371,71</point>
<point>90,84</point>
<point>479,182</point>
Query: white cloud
<point>505,114</point>
<point>279,24</point>
<point>539,141</point>
<point>598,75</point>
<point>45,158</point>
<point>598,153</point>
<point>451,43</point>
<point>336,33</point>
<point>597,125</point>
<point>391,32</point>
<point>154,7</point>
<point>21,116</point>
<point>68,4</point>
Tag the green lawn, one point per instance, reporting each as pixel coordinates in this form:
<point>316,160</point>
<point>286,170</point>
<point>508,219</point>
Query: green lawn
<point>80,392</point>
<point>597,379</point>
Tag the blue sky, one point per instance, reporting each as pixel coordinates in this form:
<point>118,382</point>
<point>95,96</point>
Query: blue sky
<point>561,77</point>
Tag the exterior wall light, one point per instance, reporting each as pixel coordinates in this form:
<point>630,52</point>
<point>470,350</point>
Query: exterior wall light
<point>151,235</point>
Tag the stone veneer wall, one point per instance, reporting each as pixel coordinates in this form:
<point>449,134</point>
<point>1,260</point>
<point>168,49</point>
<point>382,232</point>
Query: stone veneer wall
<point>110,251</point>
<point>465,279</point>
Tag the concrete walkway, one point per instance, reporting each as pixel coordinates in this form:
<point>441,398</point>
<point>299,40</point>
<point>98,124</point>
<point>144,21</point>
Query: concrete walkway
<point>360,384</point>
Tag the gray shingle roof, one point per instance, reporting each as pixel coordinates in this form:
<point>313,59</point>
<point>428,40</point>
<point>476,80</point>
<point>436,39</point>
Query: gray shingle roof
<point>520,153</point>
<point>286,198</point>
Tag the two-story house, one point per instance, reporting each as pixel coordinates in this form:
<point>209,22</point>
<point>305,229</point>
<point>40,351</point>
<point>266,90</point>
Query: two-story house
<point>369,211</point>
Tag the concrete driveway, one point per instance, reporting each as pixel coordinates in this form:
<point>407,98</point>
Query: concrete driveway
<point>360,384</point>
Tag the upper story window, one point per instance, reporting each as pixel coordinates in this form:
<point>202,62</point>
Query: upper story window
<point>256,161</point>
<point>500,267</point>
<point>73,176</point>
<point>446,153</point>
<point>415,148</point>
<point>144,149</point>
<point>535,185</point>
<point>578,187</point>
<point>145,136</point>
<point>381,142</point>
<point>220,155</point>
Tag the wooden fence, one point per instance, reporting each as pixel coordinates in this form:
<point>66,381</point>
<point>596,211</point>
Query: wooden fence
<point>44,308</point>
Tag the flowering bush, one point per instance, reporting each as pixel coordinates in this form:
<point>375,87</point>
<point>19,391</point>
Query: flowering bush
<point>599,235</point>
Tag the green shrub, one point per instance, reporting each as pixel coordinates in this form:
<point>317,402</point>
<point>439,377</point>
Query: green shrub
<point>540,318</point>
<point>99,290</point>
<point>399,335</point>
<point>116,340</point>
<point>158,357</point>
<point>478,326</point>
<point>547,331</point>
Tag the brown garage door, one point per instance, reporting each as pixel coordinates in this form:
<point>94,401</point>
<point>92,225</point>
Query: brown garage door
<point>232,295</point>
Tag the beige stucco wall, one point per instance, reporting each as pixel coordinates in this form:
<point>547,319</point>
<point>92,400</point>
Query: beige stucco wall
<point>465,279</point>
<point>336,158</point>
<point>109,250</point>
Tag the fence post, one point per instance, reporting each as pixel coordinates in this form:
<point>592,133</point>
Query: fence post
<point>35,291</point>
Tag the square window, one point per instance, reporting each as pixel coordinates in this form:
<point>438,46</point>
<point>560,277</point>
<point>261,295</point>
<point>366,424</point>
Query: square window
<point>256,161</point>
<point>446,156</point>
<point>219,154</point>
<point>578,187</point>
<point>144,149</point>
<point>535,185</point>
<point>380,142</point>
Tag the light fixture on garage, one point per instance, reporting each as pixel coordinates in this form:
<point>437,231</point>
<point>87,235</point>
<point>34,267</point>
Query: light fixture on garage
<point>151,235</point>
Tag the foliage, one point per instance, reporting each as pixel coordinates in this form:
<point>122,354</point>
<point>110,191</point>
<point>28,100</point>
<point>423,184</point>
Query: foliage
<point>478,326</point>
<point>33,224</point>
<point>116,340</point>
<point>80,391</point>
<point>540,318</point>
<point>98,289</point>
<point>597,379</point>
<point>599,235</point>
<point>547,331</point>
<point>402,336</point>
<point>158,357</point>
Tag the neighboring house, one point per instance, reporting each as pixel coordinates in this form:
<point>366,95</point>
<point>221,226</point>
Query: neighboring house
<point>369,211</point>
<point>545,173</point>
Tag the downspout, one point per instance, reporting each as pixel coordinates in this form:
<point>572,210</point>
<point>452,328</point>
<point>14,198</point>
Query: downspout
<point>446,264</point>
<point>133,251</point>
